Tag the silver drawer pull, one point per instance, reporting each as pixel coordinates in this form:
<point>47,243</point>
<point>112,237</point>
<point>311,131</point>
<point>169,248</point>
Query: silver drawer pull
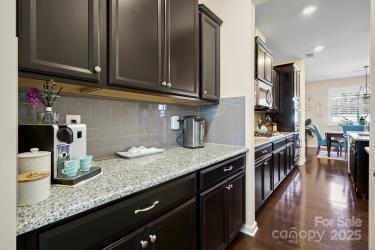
<point>227,169</point>
<point>144,244</point>
<point>264,151</point>
<point>146,209</point>
<point>152,238</point>
<point>228,187</point>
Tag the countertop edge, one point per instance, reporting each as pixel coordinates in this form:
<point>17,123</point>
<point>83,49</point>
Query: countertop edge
<point>275,138</point>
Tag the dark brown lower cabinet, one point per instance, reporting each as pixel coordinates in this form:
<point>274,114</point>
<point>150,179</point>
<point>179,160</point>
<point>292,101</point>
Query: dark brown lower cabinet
<point>213,215</point>
<point>236,204</point>
<point>267,177</point>
<point>258,185</point>
<point>134,241</point>
<point>174,230</point>
<point>279,166</point>
<point>271,167</point>
<point>222,213</point>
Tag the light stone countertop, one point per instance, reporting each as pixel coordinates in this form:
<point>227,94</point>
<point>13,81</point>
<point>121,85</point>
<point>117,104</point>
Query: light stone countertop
<point>359,136</point>
<point>120,178</point>
<point>260,140</point>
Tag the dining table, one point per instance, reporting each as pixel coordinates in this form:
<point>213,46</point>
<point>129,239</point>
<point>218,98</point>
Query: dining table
<point>330,135</point>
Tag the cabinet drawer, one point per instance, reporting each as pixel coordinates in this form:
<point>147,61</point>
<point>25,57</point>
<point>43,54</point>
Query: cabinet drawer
<point>279,144</point>
<point>212,175</point>
<point>100,228</point>
<point>290,139</point>
<point>262,151</point>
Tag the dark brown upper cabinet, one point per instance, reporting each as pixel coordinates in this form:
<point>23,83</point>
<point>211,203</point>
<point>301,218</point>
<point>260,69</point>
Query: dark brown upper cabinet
<point>263,61</point>
<point>183,47</point>
<point>154,45</point>
<point>209,54</point>
<point>63,39</point>
<point>136,44</point>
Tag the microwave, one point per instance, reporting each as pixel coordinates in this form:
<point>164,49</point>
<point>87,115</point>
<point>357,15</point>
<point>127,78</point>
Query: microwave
<point>263,95</point>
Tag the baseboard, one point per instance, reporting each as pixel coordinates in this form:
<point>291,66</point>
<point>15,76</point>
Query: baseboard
<point>301,162</point>
<point>250,230</point>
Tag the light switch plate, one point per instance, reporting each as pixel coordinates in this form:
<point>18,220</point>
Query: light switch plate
<point>73,119</point>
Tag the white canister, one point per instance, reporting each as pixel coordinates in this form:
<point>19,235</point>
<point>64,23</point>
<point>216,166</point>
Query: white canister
<point>34,161</point>
<point>33,187</point>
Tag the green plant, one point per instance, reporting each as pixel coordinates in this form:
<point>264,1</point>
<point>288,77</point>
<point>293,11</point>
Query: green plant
<point>309,130</point>
<point>50,94</point>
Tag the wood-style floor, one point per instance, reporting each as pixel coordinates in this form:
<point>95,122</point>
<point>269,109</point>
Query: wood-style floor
<point>319,190</point>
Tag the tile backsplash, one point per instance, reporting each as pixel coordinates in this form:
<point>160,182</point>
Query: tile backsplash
<point>115,125</point>
<point>226,121</point>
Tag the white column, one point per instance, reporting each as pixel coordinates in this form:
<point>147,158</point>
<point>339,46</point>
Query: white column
<point>8,121</point>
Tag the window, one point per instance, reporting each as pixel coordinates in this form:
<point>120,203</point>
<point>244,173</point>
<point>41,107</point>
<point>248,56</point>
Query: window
<point>346,102</point>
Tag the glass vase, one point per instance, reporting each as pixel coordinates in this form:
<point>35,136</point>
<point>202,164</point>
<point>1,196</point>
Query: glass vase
<point>48,117</point>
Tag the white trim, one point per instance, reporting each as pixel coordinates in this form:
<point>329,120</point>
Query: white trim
<point>250,230</point>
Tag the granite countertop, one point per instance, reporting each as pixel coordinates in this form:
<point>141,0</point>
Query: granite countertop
<point>120,178</point>
<point>367,149</point>
<point>260,140</point>
<point>359,136</point>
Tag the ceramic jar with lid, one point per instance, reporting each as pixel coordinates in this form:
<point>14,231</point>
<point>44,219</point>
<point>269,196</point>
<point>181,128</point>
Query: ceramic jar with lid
<point>34,161</point>
<point>33,187</point>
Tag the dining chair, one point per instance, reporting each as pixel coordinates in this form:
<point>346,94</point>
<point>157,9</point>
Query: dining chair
<point>322,142</point>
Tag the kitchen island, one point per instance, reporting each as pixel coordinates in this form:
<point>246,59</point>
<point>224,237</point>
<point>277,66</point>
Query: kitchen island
<point>358,163</point>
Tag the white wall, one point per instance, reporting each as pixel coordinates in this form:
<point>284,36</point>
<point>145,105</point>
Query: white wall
<point>318,94</point>
<point>237,75</point>
<point>8,121</point>
<point>371,236</point>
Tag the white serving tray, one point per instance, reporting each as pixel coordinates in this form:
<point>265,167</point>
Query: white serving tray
<point>143,152</point>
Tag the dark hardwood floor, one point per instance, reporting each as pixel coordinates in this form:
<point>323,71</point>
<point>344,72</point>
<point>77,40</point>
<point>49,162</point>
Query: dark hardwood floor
<point>316,198</point>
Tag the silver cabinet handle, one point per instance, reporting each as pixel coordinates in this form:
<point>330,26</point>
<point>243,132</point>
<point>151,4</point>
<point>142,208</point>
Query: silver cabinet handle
<point>205,92</point>
<point>264,151</point>
<point>97,69</point>
<point>144,244</point>
<point>228,187</point>
<point>164,84</point>
<point>152,238</point>
<point>147,208</point>
<point>169,85</point>
<point>227,169</point>
<point>231,186</point>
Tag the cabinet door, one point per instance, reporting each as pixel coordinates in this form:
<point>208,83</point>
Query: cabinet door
<point>267,177</point>
<point>258,186</point>
<point>175,230</point>
<point>236,205</point>
<point>276,90</point>
<point>213,217</point>
<point>136,35</point>
<point>282,162</point>
<point>134,241</point>
<point>298,84</point>
<point>210,58</point>
<point>63,39</point>
<point>276,168</point>
<point>268,67</point>
<point>183,27</point>
<point>261,53</point>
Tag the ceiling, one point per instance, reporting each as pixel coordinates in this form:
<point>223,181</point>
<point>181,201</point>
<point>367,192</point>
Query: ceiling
<point>341,26</point>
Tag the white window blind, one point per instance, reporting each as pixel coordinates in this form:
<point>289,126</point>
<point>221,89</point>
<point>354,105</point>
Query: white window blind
<point>345,102</point>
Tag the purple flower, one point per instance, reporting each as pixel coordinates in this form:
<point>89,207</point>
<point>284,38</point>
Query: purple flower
<point>33,97</point>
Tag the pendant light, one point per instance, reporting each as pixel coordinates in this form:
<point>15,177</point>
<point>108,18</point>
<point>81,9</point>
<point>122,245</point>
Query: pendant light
<point>364,90</point>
